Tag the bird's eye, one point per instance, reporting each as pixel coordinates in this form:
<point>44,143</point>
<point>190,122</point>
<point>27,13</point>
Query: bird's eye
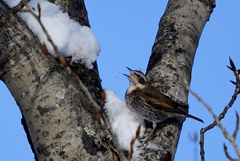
<point>138,75</point>
<point>141,80</point>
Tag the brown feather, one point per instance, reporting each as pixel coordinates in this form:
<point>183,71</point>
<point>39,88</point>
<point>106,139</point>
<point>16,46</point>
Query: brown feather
<point>160,101</point>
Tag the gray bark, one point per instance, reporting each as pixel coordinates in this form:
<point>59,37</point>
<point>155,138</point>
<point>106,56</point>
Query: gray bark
<point>58,117</point>
<point>171,62</point>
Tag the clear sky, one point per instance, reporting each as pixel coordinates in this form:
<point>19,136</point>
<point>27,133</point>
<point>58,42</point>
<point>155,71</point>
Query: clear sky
<point>126,31</point>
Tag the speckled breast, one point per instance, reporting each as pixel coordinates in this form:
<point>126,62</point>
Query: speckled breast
<point>144,110</point>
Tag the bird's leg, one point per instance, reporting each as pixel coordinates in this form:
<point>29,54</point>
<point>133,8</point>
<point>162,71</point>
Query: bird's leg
<point>151,133</point>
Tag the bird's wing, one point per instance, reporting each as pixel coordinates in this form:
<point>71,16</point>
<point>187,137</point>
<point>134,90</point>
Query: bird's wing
<point>160,101</point>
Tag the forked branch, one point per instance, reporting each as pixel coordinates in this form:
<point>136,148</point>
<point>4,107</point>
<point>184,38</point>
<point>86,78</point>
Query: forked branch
<point>62,62</point>
<point>216,121</point>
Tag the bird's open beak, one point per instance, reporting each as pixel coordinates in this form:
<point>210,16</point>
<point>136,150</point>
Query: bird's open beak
<point>130,70</point>
<point>127,75</point>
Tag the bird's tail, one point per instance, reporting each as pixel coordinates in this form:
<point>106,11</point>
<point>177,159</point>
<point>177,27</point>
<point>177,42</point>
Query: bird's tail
<point>195,118</point>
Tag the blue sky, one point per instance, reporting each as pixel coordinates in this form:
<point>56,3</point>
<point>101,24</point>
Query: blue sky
<point>126,31</point>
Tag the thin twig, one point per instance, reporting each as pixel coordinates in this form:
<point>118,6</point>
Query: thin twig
<point>19,6</point>
<point>216,119</point>
<point>234,137</point>
<point>212,125</point>
<point>227,155</point>
<point>38,18</point>
<point>231,139</point>
<point>222,115</point>
<point>237,127</point>
<point>133,141</point>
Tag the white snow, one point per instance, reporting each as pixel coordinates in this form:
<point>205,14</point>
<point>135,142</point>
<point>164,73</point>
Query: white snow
<point>11,3</point>
<point>71,38</point>
<point>123,122</point>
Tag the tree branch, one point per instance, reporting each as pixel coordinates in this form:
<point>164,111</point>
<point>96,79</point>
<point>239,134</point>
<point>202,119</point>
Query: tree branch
<point>52,103</point>
<point>79,82</point>
<point>220,117</point>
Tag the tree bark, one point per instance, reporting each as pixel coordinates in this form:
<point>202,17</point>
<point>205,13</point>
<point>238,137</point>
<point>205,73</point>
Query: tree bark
<point>171,63</point>
<point>58,116</point>
<point>59,119</point>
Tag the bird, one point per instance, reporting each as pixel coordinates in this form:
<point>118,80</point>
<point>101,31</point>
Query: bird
<point>148,103</point>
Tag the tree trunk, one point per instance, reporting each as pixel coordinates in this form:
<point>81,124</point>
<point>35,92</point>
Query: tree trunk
<point>57,115</point>
<point>171,63</point>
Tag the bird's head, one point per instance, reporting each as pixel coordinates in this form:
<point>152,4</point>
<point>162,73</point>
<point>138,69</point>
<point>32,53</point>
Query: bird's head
<point>137,79</point>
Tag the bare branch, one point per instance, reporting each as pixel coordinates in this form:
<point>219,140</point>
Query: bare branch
<point>227,155</point>
<point>216,119</point>
<point>233,67</point>
<point>222,115</point>
<point>133,141</point>
<point>237,127</point>
<point>20,5</point>
<point>38,18</point>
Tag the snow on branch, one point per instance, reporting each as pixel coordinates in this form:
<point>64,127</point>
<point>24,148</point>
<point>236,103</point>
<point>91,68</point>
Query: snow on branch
<point>71,39</point>
<point>99,109</point>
